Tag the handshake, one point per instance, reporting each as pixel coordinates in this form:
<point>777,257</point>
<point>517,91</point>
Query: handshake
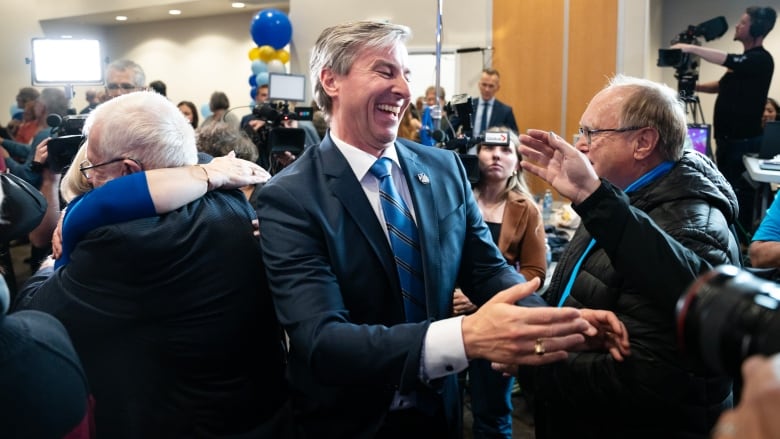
<point>509,335</point>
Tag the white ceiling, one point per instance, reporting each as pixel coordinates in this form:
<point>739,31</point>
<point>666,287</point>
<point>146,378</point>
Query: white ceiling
<point>189,9</point>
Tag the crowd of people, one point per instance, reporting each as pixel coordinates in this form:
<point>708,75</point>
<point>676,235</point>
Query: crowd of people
<point>198,283</point>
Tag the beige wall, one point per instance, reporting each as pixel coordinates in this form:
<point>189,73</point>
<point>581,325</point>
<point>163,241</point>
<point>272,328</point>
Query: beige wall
<point>197,56</point>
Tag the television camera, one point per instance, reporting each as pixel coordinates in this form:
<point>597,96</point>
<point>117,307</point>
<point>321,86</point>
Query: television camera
<point>461,107</point>
<point>276,135</point>
<point>66,139</point>
<point>727,315</point>
<point>686,65</point>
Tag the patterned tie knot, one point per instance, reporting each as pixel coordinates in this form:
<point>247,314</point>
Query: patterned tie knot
<point>381,168</point>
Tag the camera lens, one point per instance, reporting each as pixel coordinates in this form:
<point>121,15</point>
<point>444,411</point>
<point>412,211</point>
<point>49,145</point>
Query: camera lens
<point>725,316</point>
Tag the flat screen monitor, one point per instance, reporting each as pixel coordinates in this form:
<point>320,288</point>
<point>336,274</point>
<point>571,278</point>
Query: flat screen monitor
<point>283,87</point>
<point>65,61</point>
<point>699,138</point>
<point>770,141</point>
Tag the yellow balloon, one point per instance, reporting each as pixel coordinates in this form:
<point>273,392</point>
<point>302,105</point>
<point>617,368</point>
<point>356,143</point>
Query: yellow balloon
<point>266,53</point>
<point>282,55</point>
<point>254,53</point>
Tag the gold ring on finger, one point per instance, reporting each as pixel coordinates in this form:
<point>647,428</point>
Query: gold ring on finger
<point>539,347</point>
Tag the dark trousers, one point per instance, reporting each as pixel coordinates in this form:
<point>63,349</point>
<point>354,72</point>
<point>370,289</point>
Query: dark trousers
<point>413,423</point>
<point>729,157</point>
<point>491,401</point>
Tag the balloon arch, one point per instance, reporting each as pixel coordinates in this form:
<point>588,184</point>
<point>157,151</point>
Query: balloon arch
<point>271,31</point>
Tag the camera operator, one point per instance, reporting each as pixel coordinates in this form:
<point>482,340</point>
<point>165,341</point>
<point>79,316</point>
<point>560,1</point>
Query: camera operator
<point>260,98</point>
<point>267,118</point>
<point>487,110</point>
<point>20,158</point>
<point>742,93</point>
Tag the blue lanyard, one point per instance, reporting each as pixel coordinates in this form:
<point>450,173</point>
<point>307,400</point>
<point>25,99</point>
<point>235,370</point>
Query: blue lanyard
<point>642,181</point>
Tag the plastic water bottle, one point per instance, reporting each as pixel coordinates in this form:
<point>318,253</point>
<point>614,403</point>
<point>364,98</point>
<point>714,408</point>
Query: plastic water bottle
<point>547,206</point>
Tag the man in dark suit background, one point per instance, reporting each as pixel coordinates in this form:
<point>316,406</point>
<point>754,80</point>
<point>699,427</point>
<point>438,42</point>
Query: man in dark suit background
<point>487,110</point>
<point>360,366</point>
<point>169,314</point>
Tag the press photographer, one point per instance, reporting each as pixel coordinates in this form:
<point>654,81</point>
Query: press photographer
<point>274,126</point>
<point>461,108</point>
<point>274,130</point>
<point>742,93</point>
<point>487,110</point>
<point>65,141</point>
<point>19,157</point>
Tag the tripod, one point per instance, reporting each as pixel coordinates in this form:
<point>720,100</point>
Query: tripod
<point>693,107</point>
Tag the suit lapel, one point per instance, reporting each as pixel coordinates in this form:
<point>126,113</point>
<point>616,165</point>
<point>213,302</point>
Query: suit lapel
<point>344,185</point>
<point>421,188</point>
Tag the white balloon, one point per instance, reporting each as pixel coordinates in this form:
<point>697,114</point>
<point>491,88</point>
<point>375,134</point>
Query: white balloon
<point>276,66</point>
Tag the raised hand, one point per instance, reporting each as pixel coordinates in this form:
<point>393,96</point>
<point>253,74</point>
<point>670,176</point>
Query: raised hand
<point>558,163</point>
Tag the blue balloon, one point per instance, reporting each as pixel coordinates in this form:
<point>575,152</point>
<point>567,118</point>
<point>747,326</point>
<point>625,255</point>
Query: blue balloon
<point>261,78</point>
<point>205,110</point>
<point>259,67</point>
<point>253,80</point>
<point>253,92</point>
<point>271,27</point>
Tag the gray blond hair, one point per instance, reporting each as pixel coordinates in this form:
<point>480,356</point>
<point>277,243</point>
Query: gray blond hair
<point>338,46</point>
<point>139,77</point>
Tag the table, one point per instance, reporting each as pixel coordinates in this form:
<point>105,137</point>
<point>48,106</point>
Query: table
<point>764,177</point>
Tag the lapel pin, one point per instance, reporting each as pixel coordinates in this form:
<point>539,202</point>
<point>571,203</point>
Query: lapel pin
<point>423,178</point>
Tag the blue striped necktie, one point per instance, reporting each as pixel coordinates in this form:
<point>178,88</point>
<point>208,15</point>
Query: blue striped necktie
<point>404,241</point>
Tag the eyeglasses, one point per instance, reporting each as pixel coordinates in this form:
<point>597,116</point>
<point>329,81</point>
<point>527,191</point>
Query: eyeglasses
<point>86,167</point>
<point>124,86</point>
<point>588,133</point>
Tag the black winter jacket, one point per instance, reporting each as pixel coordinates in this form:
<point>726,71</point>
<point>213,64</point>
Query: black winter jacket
<point>650,246</point>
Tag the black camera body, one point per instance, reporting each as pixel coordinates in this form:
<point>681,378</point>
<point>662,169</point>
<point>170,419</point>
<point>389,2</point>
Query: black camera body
<point>686,65</point>
<point>65,141</point>
<point>727,315</point>
<point>274,137</point>
<point>460,106</point>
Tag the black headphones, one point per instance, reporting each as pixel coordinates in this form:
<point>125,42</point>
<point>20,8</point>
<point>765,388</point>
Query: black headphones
<point>762,20</point>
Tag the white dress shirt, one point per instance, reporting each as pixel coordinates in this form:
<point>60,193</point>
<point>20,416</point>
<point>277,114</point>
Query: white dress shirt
<point>443,350</point>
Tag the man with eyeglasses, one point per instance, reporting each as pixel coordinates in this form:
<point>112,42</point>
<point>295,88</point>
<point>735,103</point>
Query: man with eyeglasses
<point>170,313</point>
<point>654,217</point>
<point>122,77</point>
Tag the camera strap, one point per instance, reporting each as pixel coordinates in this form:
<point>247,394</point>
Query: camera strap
<point>641,182</point>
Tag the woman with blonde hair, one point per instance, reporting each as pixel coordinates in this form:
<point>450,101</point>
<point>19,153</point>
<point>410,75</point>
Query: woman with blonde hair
<point>515,222</point>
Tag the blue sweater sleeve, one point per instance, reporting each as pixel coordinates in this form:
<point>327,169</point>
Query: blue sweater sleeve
<point>122,199</point>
